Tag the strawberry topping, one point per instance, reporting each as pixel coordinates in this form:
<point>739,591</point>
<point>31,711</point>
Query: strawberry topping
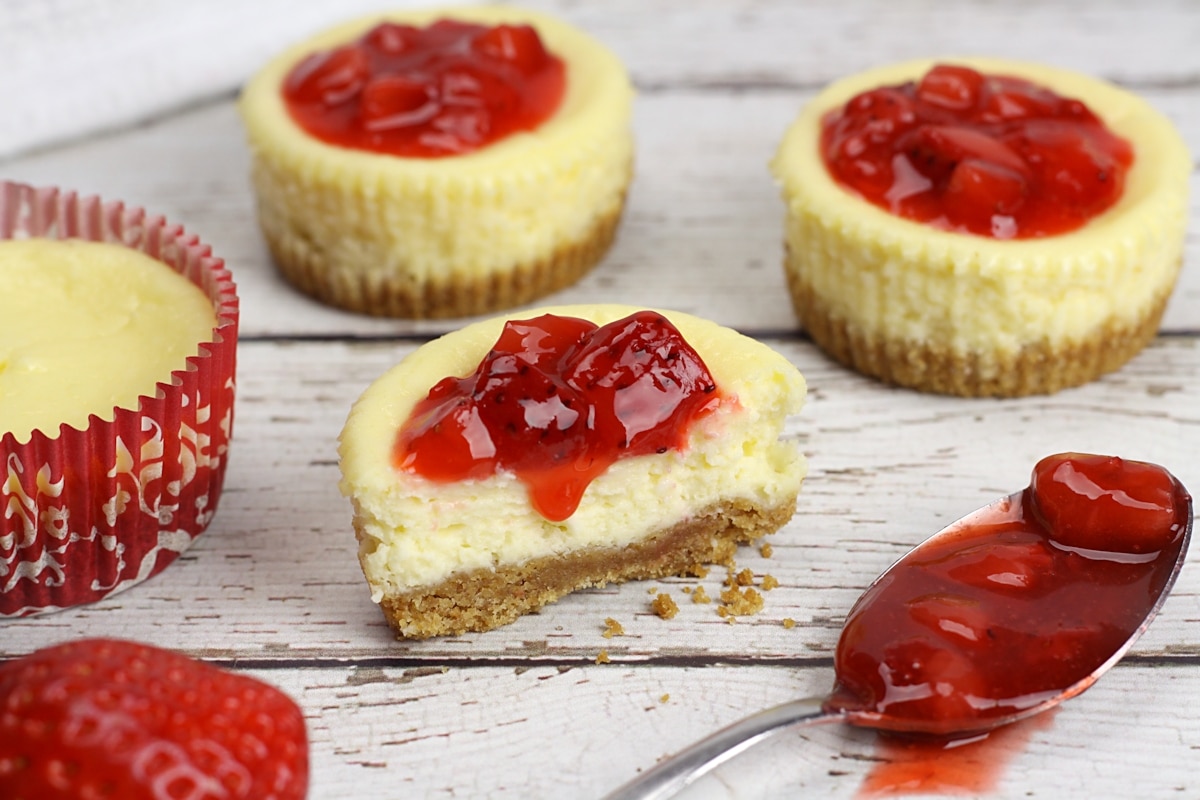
<point>1021,601</point>
<point>1105,503</point>
<point>450,88</point>
<point>556,401</point>
<point>985,154</point>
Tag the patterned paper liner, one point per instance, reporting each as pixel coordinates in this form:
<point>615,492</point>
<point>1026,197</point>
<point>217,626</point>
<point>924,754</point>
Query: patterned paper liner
<point>89,513</point>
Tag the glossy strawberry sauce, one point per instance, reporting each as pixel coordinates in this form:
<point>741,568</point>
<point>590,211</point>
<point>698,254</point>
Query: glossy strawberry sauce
<point>446,89</point>
<point>985,154</point>
<point>557,401</point>
<point>1023,600</point>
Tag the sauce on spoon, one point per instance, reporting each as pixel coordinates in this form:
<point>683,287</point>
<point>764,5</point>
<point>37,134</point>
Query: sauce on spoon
<point>1037,592</point>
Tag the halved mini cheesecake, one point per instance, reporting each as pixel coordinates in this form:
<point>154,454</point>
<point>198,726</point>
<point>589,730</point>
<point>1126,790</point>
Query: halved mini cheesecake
<point>444,554</point>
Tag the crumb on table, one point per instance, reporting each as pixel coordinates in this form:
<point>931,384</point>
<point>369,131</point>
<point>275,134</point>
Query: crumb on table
<point>766,550</point>
<point>612,628</point>
<point>664,606</point>
<point>789,623</point>
<point>769,582</point>
<point>602,657</point>
<point>740,602</point>
<point>699,595</point>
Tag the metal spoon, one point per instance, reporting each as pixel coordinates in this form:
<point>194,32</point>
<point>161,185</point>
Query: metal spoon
<point>678,771</point>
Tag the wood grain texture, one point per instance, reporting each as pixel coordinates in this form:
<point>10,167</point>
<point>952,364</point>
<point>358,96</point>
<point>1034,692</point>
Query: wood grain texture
<point>274,587</point>
<point>552,731</point>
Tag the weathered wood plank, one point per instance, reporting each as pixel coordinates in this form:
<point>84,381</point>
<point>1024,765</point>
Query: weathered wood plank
<point>552,732</point>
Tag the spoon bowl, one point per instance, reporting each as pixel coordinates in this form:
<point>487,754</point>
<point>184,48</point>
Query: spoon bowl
<point>959,610</point>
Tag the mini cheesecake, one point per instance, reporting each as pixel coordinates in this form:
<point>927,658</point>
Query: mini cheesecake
<point>450,234</point>
<point>447,556</point>
<point>941,310</point>
<point>118,351</point>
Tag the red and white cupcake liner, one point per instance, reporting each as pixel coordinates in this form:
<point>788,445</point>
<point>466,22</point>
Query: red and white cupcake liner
<point>89,513</point>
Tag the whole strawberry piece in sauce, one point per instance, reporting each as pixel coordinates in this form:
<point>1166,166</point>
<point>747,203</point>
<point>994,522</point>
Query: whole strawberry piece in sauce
<point>104,718</point>
<point>1106,504</point>
<point>651,382</point>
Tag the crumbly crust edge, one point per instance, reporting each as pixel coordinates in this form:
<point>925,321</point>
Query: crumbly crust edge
<point>399,293</point>
<point>483,599</point>
<point>1043,366</point>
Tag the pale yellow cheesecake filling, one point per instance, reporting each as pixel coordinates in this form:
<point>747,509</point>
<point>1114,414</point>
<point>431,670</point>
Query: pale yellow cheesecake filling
<point>86,327</point>
<point>523,195</point>
<point>902,280</point>
<point>414,532</point>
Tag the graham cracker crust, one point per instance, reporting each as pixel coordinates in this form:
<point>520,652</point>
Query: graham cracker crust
<point>484,599</point>
<point>1038,368</point>
<point>400,295</point>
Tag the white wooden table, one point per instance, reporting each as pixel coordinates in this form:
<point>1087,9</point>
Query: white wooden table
<point>274,589</point>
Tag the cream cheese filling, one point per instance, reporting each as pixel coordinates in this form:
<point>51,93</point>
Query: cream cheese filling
<point>900,279</point>
<point>86,327</point>
<point>414,532</point>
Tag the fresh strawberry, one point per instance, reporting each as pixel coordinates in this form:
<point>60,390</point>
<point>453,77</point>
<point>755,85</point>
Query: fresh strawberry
<point>104,718</point>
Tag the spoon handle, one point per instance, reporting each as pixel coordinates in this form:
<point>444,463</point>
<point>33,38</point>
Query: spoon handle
<point>672,774</point>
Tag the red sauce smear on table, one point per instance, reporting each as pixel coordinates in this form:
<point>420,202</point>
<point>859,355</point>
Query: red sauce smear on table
<point>557,401</point>
<point>991,155</point>
<point>452,87</point>
<point>1020,602</point>
<point>973,766</point>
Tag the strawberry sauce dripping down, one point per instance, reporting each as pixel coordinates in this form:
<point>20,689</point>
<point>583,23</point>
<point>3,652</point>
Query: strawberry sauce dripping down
<point>557,401</point>
<point>450,88</point>
<point>1019,603</point>
<point>991,155</point>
